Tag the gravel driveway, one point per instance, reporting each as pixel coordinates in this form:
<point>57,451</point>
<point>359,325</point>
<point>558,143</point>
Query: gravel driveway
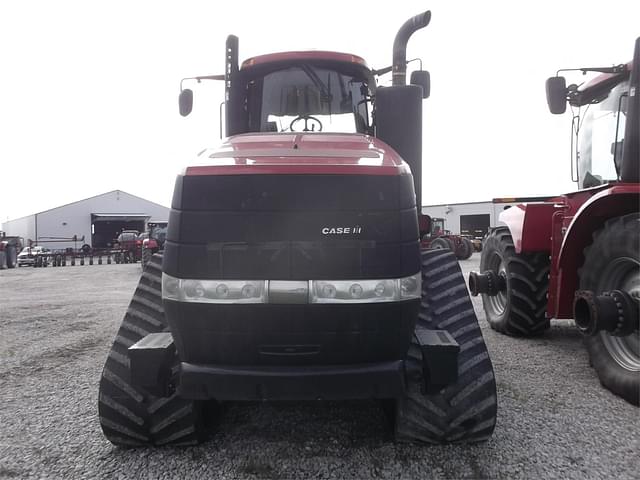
<point>57,325</point>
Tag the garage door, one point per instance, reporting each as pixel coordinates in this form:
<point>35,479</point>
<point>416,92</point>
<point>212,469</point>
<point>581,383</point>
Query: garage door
<point>105,228</point>
<point>474,225</point>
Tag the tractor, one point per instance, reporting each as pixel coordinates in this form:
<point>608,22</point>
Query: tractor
<point>292,267</point>
<point>578,255</point>
<point>439,237</point>
<point>152,241</point>
<point>10,247</point>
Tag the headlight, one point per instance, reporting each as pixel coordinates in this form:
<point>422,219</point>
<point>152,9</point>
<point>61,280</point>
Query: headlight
<point>365,291</point>
<point>214,291</point>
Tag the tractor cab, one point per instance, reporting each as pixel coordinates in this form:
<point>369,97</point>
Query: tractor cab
<point>305,92</point>
<point>600,138</point>
<point>437,227</point>
<point>599,124</point>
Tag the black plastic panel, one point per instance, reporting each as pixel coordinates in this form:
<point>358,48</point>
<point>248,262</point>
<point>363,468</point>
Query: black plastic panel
<point>287,227</point>
<point>319,334</point>
<point>292,260</point>
<point>304,193</point>
<point>224,382</point>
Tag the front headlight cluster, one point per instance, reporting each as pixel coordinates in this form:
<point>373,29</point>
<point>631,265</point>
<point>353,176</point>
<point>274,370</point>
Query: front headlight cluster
<point>365,291</point>
<point>319,291</point>
<point>214,291</point>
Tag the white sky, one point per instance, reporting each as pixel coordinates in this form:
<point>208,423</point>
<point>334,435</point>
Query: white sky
<point>89,89</point>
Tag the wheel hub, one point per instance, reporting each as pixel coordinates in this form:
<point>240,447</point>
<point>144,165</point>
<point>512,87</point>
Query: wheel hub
<point>623,274</point>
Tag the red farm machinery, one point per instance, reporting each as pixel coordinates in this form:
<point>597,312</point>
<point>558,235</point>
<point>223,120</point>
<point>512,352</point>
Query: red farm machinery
<point>578,255</point>
<point>292,267</point>
<point>438,237</point>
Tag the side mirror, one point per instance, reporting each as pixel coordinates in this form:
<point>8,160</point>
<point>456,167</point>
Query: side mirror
<point>185,101</point>
<point>556,94</point>
<point>423,79</point>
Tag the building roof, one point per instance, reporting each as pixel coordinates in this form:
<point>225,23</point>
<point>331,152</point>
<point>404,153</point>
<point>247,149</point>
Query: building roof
<point>85,199</point>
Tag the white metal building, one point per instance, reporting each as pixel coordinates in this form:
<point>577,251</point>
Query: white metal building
<point>474,218</point>
<point>95,221</point>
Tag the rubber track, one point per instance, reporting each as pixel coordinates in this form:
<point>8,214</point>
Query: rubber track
<point>129,416</point>
<point>528,285</point>
<point>465,411</point>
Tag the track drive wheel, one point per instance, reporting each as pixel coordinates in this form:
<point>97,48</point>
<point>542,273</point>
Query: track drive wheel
<point>129,416</point>
<point>520,309</point>
<point>612,262</point>
<point>463,412</point>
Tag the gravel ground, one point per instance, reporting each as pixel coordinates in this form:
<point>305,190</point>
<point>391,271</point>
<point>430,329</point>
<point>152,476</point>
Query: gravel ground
<point>57,325</point>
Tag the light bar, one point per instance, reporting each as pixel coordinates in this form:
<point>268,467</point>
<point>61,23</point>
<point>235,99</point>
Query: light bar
<point>318,291</point>
<point>214,291</point>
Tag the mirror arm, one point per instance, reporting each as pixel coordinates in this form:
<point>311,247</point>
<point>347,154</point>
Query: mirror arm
<point>199,79</point>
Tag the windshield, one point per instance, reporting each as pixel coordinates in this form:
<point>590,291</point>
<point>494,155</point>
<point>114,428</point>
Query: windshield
<point>437,225</point>
<point>307,98</point>
<point>597,142</point>
<point>159,233</point>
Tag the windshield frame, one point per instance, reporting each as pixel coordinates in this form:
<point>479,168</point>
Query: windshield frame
<point>592,163</point>
<point>252,79</point>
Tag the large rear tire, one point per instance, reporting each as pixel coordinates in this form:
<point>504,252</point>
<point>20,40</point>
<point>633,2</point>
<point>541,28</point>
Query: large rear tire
<point>466,410</point>
<point>130,416</point>
<point>440,244</point>
<point>12,256</point>
<point>612,262</point>
<point>521,309</point>
<point>465,249</point>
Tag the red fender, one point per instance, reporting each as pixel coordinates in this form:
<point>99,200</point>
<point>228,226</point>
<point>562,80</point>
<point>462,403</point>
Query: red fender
<point>618,200</point>
<point>530,225</point>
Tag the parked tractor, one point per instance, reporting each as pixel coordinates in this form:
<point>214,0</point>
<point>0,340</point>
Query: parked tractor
<point>152,241</point>
<point>578,255</point>
<point>10,247</point>
<point>439,237</point>
<point>292,268</point>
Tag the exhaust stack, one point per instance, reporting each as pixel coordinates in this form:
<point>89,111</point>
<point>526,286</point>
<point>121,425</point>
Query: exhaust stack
<point>400,45</point>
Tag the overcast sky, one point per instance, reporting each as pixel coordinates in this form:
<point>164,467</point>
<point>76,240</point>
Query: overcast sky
<point>89,89</point>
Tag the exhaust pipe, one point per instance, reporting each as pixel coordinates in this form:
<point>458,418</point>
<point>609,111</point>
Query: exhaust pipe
<point>400,45</point>
<point>489,283</point>
<point>615,312</point>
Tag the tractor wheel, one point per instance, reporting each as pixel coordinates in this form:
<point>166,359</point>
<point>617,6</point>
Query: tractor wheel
<point>466,410</point>
<point>440,243</point>
<point>145,257</point>
<point>12,256</point>
<point>465,249</point>
<point>129,416</point>
<point>612,262</point>
<point>520,310</point>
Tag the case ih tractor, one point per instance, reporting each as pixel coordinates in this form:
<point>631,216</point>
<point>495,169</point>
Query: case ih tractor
<point>292,268</point>
<point>578,255</point>
<point>438,237</point>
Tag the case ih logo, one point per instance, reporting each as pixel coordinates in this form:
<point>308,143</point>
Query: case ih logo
<point>342,230</point>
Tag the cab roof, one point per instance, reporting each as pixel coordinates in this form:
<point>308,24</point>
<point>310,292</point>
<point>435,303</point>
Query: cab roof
<point>309,55</point>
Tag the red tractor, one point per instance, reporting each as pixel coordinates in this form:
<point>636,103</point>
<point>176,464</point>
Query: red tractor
<point>152,241</point>
<point>439,237</point>
<point>292,267</point>
<point>578,255</point>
